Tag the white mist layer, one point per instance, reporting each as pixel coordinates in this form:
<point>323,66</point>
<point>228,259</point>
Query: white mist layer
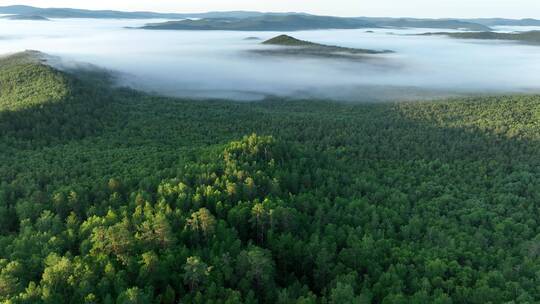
<point>218,63</point>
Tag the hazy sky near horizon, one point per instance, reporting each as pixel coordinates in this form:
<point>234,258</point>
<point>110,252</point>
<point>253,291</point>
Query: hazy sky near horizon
<point>391,8</point>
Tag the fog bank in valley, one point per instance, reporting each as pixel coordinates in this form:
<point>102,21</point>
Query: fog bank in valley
<point>219,64</point>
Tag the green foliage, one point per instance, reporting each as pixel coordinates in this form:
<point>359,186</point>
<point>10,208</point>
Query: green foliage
<point>26,82</point>
<point>195,272</point>
<point>160,200</point>
<point>40,105</point>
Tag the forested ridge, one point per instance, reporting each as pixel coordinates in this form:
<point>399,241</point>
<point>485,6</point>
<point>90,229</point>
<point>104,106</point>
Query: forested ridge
<point>108,195</point>
<point>530,37</point>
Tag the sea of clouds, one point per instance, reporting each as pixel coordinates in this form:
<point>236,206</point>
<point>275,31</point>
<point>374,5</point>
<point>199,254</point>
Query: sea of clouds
<point>219,64</point>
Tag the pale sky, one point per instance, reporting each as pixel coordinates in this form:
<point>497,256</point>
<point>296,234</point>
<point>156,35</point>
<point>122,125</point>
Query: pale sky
<point>391,8</point>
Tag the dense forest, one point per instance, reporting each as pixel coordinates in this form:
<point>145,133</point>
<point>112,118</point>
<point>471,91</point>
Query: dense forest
<point>108,195</point>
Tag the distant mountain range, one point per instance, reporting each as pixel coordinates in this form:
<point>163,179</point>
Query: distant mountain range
<point>293,22</point>
<point>297,22</point>
<point>258,21</point>
<point>426,23</point>
<point>505,22</point>
<point>106,14</point>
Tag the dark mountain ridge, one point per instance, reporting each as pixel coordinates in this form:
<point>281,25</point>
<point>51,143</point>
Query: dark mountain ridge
<point>293,22</point>
<point>104,14</point>
<point>530,37</point>
<point>296,22</point>
<point>480,24</point>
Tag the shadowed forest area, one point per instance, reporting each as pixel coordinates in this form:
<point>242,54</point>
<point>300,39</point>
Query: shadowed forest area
<point>109,195</point>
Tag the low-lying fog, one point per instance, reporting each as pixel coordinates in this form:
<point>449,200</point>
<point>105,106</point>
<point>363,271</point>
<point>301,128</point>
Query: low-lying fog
<point>218,64</point>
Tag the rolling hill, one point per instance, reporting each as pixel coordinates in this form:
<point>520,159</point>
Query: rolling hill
<point>26,81</point>
<point>295,47</point>
<point>41,104</point>
<point>286,40</point>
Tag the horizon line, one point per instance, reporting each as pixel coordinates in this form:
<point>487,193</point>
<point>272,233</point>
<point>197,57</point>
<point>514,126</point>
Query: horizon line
<point>262,12</point>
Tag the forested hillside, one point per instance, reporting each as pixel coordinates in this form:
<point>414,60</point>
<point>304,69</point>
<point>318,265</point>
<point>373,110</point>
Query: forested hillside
<point>113,196</point>
<point>26,83</point>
